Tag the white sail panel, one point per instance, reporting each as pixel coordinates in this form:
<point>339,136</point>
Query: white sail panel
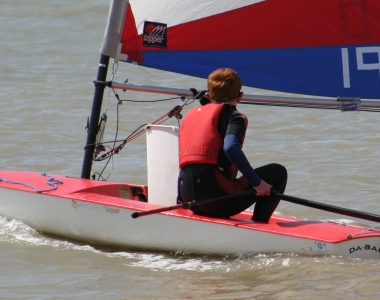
<point>174,12</point>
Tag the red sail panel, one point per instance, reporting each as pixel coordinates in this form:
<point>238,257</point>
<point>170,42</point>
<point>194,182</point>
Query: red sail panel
<point>130,39</point>
<point>271,24</point>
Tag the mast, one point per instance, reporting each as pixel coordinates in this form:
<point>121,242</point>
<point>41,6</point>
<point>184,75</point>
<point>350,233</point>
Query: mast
<point>94,118</point>
<point>110,49</point>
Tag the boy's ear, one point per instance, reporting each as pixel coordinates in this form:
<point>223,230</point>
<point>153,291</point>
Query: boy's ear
<point>240,96</point>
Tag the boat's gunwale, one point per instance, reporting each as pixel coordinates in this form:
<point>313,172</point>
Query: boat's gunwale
<point>78,189</point>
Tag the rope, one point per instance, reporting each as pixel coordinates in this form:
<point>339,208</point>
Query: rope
<point>364,231</point>
<point>308,106</point>
<point>173,112</point>
<point>51,181</point>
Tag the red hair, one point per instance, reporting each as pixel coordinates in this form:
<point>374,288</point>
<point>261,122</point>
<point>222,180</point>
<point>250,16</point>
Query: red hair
<point>224,85</point>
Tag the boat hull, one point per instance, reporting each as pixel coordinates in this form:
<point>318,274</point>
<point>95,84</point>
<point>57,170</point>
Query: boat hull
<point>99,212</point>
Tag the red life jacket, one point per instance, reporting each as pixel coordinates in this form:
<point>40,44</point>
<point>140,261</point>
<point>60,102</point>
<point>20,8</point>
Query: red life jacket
<point>199,139</point>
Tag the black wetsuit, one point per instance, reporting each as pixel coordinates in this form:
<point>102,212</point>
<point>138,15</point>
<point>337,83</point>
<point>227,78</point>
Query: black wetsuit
<point>205,181</point>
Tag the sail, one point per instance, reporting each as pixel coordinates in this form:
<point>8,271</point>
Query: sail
<point>314,47</point>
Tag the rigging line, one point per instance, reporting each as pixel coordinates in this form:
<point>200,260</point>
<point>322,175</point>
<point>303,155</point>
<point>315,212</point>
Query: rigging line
<point>137,134</point>
<point>101,173</point>
<point>51,181</point>
<point>128,136</point>
<point>114,70</point>
<point>117,141</point>
<point>118,148</point>
<point>114,144</point>
<point>160,118</point>
<point>142,131</point>
<point>173,112</point>
<point>307,106</point>
<point>112,161</point>
<point>365,231</point>
<point>150,101</point>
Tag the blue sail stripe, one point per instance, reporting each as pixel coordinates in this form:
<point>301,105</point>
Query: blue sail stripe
<point>323,71</point>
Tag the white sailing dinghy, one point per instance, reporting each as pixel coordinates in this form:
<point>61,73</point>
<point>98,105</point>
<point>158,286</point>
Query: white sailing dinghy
<point>325,48</point>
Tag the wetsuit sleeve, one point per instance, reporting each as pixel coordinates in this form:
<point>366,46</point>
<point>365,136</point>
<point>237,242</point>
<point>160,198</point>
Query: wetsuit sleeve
<point>179,196</point>
<point>237,157</point>
<point>237,124</point>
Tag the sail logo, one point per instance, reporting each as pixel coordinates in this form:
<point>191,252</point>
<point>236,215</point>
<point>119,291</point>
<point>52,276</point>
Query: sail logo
<point>79,204</point>
<point>154,34</point>
<point>362,64</point>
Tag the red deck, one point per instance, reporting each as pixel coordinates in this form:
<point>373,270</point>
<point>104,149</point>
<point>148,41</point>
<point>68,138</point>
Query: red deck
<point>126,196</point>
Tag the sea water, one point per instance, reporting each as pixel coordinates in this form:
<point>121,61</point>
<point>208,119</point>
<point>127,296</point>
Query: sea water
<point>50,56</point>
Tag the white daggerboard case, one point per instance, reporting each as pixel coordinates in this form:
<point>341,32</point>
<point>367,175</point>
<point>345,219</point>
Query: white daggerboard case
<point>163,164</point>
